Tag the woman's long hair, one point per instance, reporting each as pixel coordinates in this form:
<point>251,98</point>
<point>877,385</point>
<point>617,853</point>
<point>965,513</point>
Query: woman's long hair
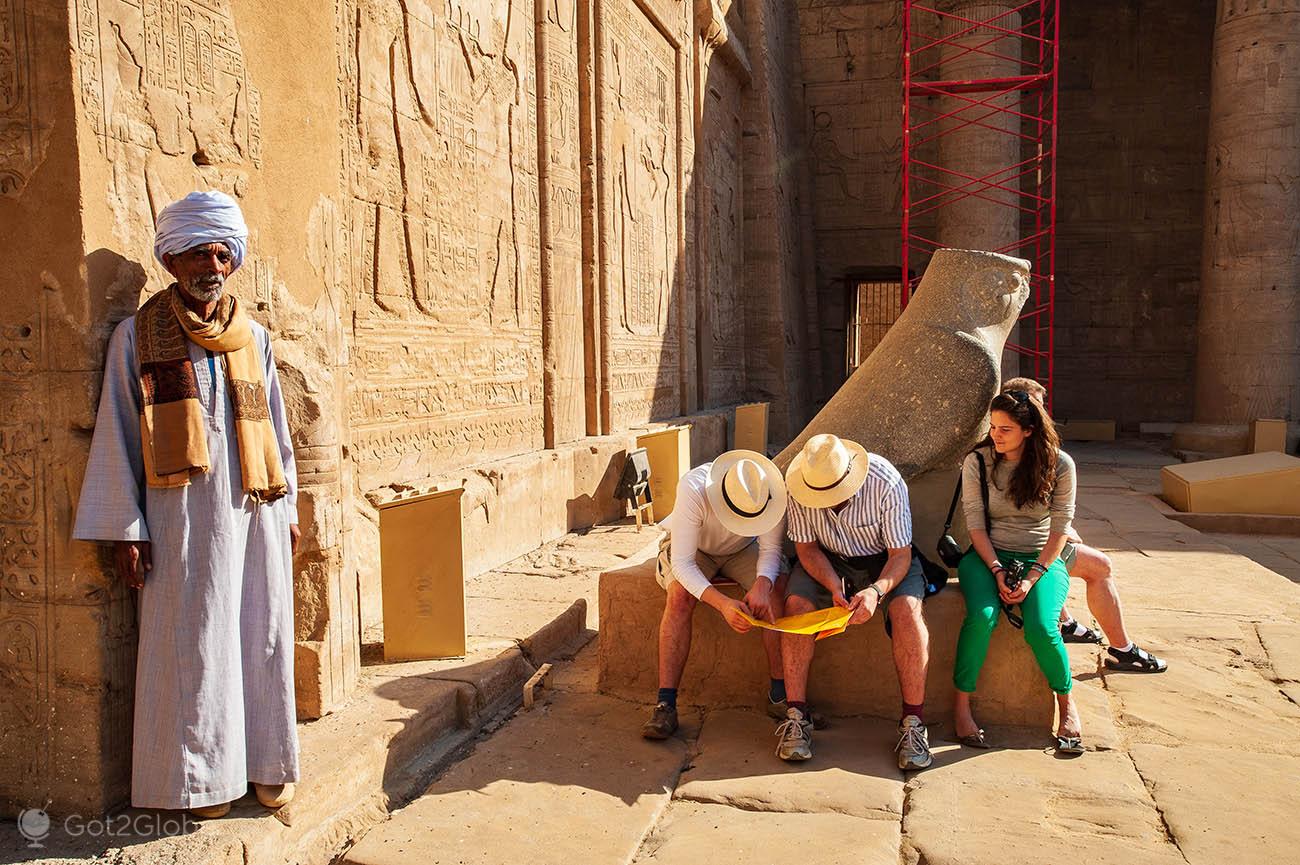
<point>1034,477</point>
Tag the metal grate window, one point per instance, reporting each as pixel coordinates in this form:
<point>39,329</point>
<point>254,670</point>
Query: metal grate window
<point>876,305</point>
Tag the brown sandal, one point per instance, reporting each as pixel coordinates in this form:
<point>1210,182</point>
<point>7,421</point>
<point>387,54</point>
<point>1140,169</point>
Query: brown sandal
<point>975,740</point>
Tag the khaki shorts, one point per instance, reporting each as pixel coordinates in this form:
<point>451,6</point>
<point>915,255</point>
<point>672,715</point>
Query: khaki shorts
<point>740,568</point>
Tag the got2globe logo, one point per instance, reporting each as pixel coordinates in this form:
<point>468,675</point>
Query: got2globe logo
<point>34,825</point>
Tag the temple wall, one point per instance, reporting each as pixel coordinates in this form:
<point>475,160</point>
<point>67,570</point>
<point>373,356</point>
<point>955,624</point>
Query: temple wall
<point>1130,189</point>
<point>490,240</point>
<point>1130,208</point>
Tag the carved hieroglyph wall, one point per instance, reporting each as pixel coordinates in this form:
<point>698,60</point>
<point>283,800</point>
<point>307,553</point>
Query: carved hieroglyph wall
<point>441,164</point>
<point>481,235</point>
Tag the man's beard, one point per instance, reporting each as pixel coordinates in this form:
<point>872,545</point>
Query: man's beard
<point>205,289</point>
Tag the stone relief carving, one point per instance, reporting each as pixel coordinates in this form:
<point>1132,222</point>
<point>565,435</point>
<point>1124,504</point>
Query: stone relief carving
<point>641,149</point>
<point>24,131</point>
<point>441,166</point>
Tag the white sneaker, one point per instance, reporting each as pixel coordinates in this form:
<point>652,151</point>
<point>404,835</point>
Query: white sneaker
<point>794,737</point>
<point>913,745</point>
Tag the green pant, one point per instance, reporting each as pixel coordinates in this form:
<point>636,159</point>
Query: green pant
<point>1040,609</point>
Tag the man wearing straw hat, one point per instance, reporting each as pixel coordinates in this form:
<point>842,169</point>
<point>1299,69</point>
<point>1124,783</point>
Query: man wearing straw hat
<point>729,519</point>
<point>851,523</point>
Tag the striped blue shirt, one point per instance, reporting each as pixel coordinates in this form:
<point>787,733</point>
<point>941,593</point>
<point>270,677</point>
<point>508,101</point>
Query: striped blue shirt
<point>878,516</point>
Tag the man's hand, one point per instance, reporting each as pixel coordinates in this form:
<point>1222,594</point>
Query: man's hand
<point>133,559</point>
<point>295,535</point>
<point>759,600</point>
<point>733,612</point>
<point>864,606</point>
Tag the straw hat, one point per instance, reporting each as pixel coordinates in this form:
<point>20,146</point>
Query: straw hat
<point>747,493</point>
<point>827,471</point>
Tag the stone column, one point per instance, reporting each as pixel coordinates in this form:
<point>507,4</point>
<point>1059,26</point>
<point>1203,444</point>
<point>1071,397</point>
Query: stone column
<point>1248,333</point>
<point>976,151</point>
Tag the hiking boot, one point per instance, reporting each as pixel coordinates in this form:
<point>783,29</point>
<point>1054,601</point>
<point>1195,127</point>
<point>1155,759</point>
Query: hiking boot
<point>778,710</point>
<point>662,724</point>
<point>794,737</point>
<point>913,745</point>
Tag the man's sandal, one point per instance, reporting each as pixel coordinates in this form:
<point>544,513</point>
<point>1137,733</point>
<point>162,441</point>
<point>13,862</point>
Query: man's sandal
<point>1072,745</point>
<point>975,740</point>
<point>1070,633</point>
<point>1136,660</point>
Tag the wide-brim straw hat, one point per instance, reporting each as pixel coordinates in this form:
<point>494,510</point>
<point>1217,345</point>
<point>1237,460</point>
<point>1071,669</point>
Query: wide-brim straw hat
<point>828,470</point>
<point>747,493</point>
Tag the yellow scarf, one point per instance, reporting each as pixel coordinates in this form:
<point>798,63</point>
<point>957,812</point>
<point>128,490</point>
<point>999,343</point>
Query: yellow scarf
<point>173,432</point>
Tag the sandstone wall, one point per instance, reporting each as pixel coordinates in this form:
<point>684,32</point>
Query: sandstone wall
<point>490,240</point>
<point>1134,112</point>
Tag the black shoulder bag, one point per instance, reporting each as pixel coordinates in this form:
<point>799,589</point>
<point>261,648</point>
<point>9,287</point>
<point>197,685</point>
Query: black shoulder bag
<point>948,548</point>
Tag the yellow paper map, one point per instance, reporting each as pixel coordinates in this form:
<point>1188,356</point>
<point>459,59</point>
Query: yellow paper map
<point>823,623</point>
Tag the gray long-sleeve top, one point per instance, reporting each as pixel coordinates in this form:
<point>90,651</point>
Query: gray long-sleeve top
<point>1015,529</point>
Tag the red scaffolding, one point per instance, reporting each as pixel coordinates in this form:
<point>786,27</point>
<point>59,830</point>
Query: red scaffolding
<point>1013,37</point>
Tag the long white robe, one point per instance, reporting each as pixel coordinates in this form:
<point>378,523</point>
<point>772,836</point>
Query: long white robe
<point>214,706</point>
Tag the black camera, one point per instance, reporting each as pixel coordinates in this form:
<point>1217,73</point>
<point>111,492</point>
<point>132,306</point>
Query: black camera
<point>1015,574</point>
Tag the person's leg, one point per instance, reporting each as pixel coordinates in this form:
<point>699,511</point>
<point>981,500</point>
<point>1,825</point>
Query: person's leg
<point>1039,610</point>
<point>911,643</point>
<point>980,591</point>
<point>911,648</point>
<point>742,569</point>
<point>911,638</point>
<point>674,641</point>
<point>804,595</point>
<point>1094,568</point>
<point>797,652</point>
<point>675,634</point>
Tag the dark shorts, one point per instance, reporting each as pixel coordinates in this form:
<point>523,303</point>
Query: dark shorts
<point>857,575</point>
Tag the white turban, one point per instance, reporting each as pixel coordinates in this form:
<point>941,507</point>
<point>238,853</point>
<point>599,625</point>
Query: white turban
<point>199,218</point>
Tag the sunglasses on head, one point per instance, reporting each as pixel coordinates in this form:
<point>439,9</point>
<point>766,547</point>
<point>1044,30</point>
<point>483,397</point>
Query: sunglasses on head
<point>1019,396</point>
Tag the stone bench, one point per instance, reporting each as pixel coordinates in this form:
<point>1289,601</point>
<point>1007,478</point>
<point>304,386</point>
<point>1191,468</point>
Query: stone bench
<point>852,673</point>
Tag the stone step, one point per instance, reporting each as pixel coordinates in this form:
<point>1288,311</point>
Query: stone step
<point>569,782</point>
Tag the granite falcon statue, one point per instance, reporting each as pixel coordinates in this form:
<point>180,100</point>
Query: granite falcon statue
<point>920,398</point>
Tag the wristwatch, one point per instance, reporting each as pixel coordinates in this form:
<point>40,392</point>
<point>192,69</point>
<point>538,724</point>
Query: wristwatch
<point>880,596</point>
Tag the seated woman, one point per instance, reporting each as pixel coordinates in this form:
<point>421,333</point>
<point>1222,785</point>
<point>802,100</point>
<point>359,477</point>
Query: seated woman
<point>1030,493</point>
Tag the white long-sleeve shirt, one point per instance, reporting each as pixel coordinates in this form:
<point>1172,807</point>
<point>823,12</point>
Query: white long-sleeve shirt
<point>693,528</point>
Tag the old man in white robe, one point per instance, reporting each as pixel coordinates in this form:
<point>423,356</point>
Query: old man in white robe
<point>191,478</point>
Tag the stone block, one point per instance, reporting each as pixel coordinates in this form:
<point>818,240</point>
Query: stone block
<point>669,452</point>
<point>1267,435</point>
<point>1261,483</point>
<point>852,673</point>
<point>853,771</point>
<point>1086,430</point>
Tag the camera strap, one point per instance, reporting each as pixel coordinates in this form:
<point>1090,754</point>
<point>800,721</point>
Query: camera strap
<point>952,508</point>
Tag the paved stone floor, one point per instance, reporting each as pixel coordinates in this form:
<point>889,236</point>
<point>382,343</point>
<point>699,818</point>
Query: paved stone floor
<point>1197,765</point>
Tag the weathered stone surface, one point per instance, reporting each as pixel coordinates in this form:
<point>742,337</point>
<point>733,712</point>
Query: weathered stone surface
<point>1096,808</point>
<point>687,830</point>
<point>853,771</point>
<point>571,781</point>
<point>1224,806</point>
<point>905,402</point>
<point>1246,346</point>
<point>1212,698</point>
<point>730,670</point>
